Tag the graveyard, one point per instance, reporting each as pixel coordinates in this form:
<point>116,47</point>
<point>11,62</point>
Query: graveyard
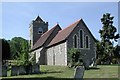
<point>102,71</point>
<point>68,53</point>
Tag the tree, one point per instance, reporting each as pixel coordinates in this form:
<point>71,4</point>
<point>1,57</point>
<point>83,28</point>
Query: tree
<point>74,56</point>
<point>24,54</point>
<point>5,50</point>
<point>101,53</point>
<point>117,54</point>
<point>108,30</point>
<point>108,36</point>
<point>117,51</point>
<point>21,53</point>
<point>18,45</point>
<point>33,59</point>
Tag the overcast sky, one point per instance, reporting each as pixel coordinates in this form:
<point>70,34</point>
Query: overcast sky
<point>17,16</point>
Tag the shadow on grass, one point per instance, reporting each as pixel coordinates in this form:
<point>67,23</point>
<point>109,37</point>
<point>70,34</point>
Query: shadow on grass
<point>49,72</point>
<point>94,68</point>
<point>52,78</point>
<point>42,78</point>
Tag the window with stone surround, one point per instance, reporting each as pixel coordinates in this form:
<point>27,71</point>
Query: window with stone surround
<point>75,42</point>
<point>87,41</point>
<point>81,39</point>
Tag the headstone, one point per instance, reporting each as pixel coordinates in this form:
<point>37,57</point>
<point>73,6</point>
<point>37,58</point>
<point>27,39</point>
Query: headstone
<point>28,69</point>
<point>86,64</point>
<point>21,70</point>
<point>4,71</point>
<point>79,73</point>
<point>14,70</point>
<point>35,68</point>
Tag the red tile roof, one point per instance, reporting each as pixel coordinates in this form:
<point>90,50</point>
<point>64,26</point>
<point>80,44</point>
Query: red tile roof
<point>60,36</point>
<point>44,38</point>
<point>63,34</point>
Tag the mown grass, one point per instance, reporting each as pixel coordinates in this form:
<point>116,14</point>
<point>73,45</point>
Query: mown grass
<point>102,71</point>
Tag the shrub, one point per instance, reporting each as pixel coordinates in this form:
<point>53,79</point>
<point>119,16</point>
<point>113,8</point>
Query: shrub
<point>74,57</point>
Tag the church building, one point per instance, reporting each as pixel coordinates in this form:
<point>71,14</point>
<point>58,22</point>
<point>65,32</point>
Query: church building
<point>51,46</point>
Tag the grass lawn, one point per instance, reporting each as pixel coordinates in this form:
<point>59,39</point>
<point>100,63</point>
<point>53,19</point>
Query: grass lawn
<point>103,71</point>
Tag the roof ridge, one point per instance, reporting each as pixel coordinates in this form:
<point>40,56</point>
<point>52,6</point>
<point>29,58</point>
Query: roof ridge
<point>64,32</point>
<point>71,24</point>
<point>35,45</point>
<point>48,31</point>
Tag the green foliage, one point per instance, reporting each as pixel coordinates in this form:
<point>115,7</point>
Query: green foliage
<point>33,60</point>
<point>23,59</point>
<point>5,50</point>
<point>19,50</point>
<point>108,36</point>
<point>117,52</point>
<point>100,49</point>
<point>74,56</point>
<point>103,52</point>
<point>24,55</point>
<point>108,30</point>
<point>17,46</point>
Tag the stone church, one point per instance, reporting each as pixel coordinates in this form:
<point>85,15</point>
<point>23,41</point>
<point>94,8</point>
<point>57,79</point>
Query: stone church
<point>51,46</point>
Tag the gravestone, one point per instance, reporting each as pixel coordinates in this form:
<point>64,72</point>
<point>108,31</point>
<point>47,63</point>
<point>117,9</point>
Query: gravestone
<point>79,73</point>
<point>14,70</point>
<point>35,69</point>
<point>28,69</point>
<point>86,64</point>
<point>4,71</point>
<point>21,70</point>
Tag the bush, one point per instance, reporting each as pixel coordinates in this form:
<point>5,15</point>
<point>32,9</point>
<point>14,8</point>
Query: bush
<point>74,57</point>
<point>98,61</point>
<point>114,61</point>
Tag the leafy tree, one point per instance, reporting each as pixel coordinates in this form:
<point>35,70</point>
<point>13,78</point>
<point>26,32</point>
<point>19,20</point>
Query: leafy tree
<point>24,55</point>
<point>18,45</point>
<point>5,50</point>
<point>117,54</point>
<point>33,59</point>
<point>99,49</point>
<point>108,36</point>
<point>74,56</point>
<point>102,56</point>
<point>108,30</point>
<point>117,51</point>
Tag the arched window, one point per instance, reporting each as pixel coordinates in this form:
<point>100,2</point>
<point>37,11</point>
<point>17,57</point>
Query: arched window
<point>81,39</point>
<point>86,42</point>
<point>75,41</point>
<point>40,30</point>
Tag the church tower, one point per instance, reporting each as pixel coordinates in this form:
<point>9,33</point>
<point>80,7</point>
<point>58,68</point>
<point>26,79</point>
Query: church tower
<point>37,28</point>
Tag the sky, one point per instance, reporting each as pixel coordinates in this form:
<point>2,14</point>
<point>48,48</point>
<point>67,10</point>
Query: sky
<point>119,21</point>
<point>16,16</point>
